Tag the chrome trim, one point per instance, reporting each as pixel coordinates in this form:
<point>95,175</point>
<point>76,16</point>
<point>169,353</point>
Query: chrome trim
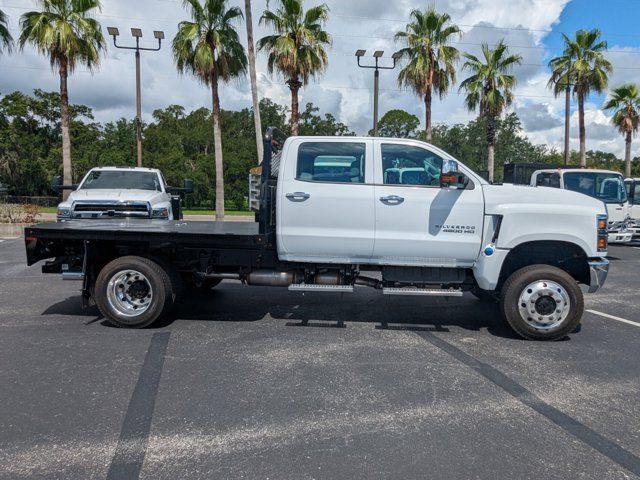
<point>598,270</point>
<point>544,305</point>
<point>72,275</point>
<point>105,214</point>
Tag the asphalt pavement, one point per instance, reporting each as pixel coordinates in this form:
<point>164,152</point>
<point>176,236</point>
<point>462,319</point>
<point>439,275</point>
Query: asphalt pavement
<point>258,383</point>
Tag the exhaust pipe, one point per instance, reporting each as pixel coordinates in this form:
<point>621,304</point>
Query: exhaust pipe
<point>272,278</point>
<point>368,282</point>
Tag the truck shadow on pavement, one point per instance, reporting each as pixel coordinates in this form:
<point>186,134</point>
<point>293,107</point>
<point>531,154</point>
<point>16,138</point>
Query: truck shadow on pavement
<point>227,303</point>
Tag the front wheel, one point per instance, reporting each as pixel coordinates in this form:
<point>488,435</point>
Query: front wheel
<point>541,302</point>
<point>133,292</point>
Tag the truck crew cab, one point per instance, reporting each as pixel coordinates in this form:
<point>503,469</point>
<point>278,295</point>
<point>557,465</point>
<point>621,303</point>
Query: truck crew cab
<point>338,213</point>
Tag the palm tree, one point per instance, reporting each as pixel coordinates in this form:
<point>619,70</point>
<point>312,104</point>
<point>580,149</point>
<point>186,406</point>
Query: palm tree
<point>431,58</point>
<point>64,31</point>
<point>561,80</point>
<point>297,49</point>
<point>208,47</point>
<point>6,39</point>
<point>490,87</point>
<point>625,104</point>
<point>590,71</point>
<point>252,76</point>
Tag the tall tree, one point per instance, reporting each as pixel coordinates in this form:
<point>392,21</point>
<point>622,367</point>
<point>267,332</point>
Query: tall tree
<point>590,71</point>
<point>64,31</point>
<point>490,88</point>
<point>624,101</point>
<point>6,40</point>
<point>431,58</point>
<point>208,47</point>
<point>248,18</point>
<point>561,80</point>
<point>397,124</point>
<point>297,50</point>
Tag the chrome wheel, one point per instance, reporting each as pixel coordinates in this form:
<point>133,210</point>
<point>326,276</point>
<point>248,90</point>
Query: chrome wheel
<point>129,292</point>
<point>544,304</point>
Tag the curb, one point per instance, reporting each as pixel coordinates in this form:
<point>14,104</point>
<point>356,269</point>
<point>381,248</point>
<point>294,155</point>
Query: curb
<point>12,230</point>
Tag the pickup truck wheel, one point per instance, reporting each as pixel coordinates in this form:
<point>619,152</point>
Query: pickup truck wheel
<point>541,302</point>
<point>133,292</point>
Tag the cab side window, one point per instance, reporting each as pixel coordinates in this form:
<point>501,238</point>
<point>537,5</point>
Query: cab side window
<point>636,194</point>
<point>410,165</point>
<point>548,180</point>
<point>331,162</point>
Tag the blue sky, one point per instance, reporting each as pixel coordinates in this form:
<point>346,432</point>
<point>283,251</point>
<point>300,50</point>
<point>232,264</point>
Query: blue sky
<point>344,90</point>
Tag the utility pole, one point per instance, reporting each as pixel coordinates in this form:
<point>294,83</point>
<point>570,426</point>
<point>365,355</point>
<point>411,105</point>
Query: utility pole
<point>137,34</point>
<point>376,80</point>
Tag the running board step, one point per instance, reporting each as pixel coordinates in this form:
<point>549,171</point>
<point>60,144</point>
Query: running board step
<point>309,287</point>
<point>426,292</point>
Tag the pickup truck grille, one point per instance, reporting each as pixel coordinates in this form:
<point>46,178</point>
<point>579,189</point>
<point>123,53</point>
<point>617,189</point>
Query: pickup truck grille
<point>110,209</point>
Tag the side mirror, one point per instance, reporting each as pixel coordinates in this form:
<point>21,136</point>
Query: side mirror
<point>188,188</point>
<point>57,186</point>
<point>451,177</point>
<point>56,183</point>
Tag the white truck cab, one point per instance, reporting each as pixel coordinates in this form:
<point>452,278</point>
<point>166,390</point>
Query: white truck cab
<point>605,185</point>
<point>117,192</point>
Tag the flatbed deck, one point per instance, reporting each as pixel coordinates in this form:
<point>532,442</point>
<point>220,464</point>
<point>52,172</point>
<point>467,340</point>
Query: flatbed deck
<point>154,233</point>
<point>140,227</point>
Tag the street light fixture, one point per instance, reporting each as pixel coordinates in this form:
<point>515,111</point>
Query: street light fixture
<point>378,54</point>
<point>137,34</point>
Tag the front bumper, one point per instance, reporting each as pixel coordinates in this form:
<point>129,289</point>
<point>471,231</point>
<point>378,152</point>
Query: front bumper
<point>620,237</point>
<point>598,271</point>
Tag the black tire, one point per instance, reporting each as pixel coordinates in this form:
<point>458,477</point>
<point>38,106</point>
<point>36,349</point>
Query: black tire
<point>483,295</point>
<point>159,281</point>
<point>515,286</point>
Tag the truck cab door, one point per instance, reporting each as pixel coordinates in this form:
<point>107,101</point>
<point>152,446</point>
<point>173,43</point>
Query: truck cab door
<point>325,209</point>
<point>633,193</point>
<point>418,222</point>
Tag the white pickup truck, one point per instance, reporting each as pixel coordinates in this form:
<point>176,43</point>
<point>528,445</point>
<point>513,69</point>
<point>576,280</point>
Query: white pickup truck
<point>605,185</point>
<point>118,192</point>
<point>337,213</point>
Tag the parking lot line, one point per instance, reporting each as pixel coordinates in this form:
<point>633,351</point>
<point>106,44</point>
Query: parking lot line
<point>613,317</point>
<point>582,432</point>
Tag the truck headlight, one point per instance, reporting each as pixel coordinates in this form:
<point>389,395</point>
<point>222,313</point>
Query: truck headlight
<point>160,213</point>
<point>63,213</point>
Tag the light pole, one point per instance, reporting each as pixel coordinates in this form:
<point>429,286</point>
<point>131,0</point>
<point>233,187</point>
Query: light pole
<point>137,34</point>
<point>376,78</point>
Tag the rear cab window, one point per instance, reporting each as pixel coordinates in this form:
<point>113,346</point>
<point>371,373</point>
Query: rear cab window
<point>331,162</point>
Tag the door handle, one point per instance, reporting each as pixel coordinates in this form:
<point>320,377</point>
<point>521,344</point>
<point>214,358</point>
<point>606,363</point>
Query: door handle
<point>392,200</point>
<point>297,196</point>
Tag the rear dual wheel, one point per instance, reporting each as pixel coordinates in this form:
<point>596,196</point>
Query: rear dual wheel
<point>133,291</point>
<point>541,302</point>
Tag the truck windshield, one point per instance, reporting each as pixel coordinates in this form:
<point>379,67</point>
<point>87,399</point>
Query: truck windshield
<point>608,187</point>
<point>119,180</point>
